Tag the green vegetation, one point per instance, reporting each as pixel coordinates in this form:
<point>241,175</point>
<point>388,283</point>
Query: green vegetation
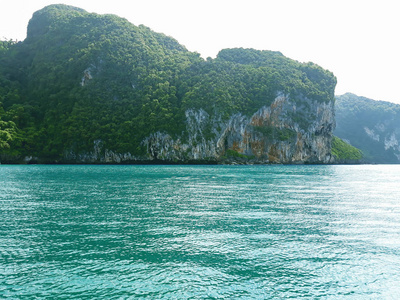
<point>233,153</point>
<point>7,134</point>
<point>81,77</point>
<point>345,152</point>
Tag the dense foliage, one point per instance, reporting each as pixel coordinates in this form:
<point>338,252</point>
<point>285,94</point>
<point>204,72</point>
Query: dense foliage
<point>81,77</point>
<point>372,126</point>
<point>344,152</point>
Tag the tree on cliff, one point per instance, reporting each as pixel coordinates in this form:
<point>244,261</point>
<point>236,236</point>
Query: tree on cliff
<point>8,131</point>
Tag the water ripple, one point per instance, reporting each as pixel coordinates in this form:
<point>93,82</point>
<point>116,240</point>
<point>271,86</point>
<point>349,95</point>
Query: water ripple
<point>180,232</point>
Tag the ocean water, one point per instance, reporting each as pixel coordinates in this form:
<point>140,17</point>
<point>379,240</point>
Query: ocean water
<point>200,232</point>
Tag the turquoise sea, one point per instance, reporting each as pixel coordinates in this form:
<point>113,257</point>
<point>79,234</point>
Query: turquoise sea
<point>200,232</point>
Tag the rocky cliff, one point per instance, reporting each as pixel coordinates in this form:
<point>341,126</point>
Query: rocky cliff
<point>271,135</point>
<point>88,88</point>
<point>370,125</point>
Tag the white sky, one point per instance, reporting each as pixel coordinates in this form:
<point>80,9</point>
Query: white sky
<point>358,40</point>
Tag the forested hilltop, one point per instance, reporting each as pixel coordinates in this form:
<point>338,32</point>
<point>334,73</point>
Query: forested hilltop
<point>84,87</point>
<point>372,126</point>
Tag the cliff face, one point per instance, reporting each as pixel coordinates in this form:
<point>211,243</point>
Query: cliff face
<point>271,135</point>
<point>372,126</point>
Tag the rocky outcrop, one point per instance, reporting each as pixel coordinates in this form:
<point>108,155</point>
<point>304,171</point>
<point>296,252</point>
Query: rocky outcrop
<point>99,155</point>
<point>274,134</point>
<point>98,89</point>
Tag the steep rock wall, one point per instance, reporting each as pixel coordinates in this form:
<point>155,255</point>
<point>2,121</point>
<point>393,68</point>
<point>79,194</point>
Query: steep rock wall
<point>274,134</point>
